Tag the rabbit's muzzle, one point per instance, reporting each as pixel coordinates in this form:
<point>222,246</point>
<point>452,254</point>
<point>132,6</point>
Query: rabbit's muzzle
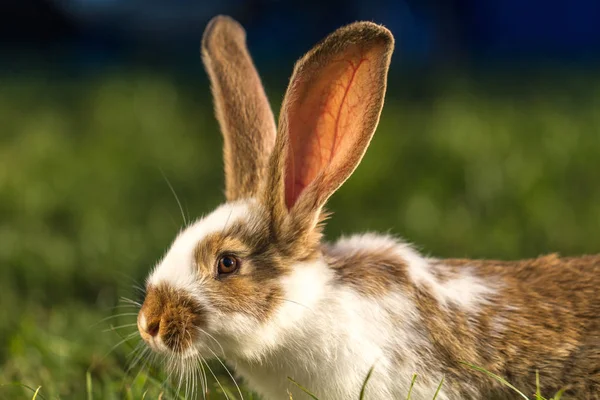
<point>169,319</point>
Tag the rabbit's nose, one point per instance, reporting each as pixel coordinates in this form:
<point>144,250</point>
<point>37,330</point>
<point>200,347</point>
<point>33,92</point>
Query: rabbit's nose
<point>153,328</point>
<point>149,326</point>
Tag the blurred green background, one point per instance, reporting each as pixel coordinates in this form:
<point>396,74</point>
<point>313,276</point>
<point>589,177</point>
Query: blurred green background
<point>494,165</point>
<point>488,146</point>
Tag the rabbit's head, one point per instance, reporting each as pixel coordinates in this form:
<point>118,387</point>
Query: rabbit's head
<point>246,272</point>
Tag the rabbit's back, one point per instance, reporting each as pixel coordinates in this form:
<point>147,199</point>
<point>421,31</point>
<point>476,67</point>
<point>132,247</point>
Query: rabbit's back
<point>509,317</point>
<point>549,308</point>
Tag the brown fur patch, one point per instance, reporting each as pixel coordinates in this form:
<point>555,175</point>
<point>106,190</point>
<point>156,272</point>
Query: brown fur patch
<point>372,273</point>
<point>174,314</point>
<point>213,246</point>
<point>254,289</point>
<point>241,107</point>
<point>545,316</point>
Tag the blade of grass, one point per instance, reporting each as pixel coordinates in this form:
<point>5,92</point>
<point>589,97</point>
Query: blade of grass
<point>36,393</point>
<point>24,386</point>
<point>559,394</point>
<point>303,389</point>
<point>88,385</point>
<point>159,385</point>
<point>412,384</point>
<point>228,392</point>
<point>364,385</point>
<point>496,377</point>
<point>128,393</point>
<point>538,392</point>
<point>438,389</point>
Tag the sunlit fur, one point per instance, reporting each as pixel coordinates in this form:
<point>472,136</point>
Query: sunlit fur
<point>177,266</point>
<point>324,314</point>
<point>325,335</point>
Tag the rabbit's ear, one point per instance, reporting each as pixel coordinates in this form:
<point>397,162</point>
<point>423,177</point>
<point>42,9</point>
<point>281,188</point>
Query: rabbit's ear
<point>241,106</point>
<point>329,114</point>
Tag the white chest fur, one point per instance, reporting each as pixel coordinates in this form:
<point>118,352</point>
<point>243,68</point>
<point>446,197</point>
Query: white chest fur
<point>327,335</point>
<point>331,337</point>
<point>331,353</point>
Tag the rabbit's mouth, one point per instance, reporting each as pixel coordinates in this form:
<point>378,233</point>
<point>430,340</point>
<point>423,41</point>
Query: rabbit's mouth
<point>169,319</point>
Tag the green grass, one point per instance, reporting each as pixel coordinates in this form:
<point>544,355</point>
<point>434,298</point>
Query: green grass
<point>495,166</point>
<point>504,382</point>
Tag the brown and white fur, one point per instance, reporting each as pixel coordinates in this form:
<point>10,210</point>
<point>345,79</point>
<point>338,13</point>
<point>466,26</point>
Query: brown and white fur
<point>324,314</point>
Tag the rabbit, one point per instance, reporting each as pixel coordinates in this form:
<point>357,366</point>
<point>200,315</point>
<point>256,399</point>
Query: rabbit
<point>254,282</point>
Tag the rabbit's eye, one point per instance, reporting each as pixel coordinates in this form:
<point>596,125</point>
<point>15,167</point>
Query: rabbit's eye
<point>228,264</point>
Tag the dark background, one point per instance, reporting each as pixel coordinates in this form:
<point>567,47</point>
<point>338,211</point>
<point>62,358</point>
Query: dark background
<point>488,147</point>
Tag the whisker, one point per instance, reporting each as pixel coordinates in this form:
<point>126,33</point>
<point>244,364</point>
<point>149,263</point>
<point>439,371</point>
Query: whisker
<point>227,221</point>
<point>199,369</point>
<point>136,358</point>
<point>125,339</point>
<point>143,367</point>
<point>190,377</point>
<point>186,379</point>
<point>292,301</point>
<point>137,351</point>
<point>169,369</point>
<point>111,317</point>
<point>113,328</point>
<point>228,372</point>
<point>194,378</point>
<point>216,379</point>
<point>129,301</point>
<point>180,380</point>
<point>213,338</point>
<point>204,379</point>
<point>189,366</point>
<point>123,306</point>
<point>176,197</point>
<point>140,289</point>
<point>166,382</point>
<point>131,279</point>
<point>187,211</point>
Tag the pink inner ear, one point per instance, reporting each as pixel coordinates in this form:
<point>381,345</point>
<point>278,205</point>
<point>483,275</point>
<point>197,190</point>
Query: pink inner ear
<point>326,119</point>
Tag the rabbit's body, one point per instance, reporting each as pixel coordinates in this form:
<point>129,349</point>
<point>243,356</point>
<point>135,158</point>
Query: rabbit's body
<point>544,317</point>
<point>253,281</point>
<point>361,313</point>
